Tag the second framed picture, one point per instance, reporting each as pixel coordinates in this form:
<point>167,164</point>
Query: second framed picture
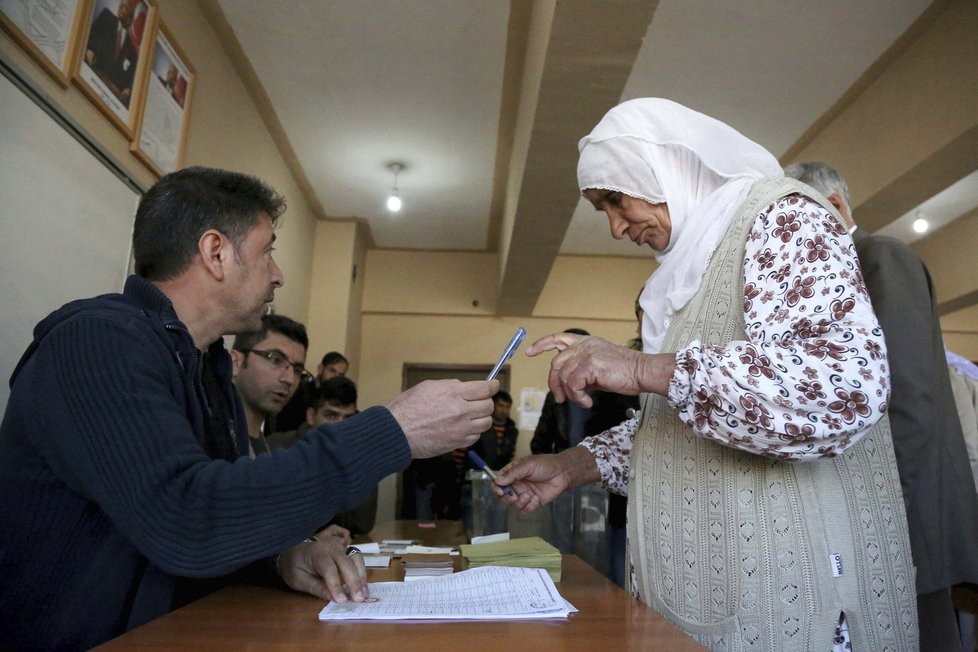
<point>116,37</point>
<point>161,130</point>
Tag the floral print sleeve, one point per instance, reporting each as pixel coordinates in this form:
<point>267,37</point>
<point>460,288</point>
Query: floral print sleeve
<point>811,377</point>
<point>611,449</point>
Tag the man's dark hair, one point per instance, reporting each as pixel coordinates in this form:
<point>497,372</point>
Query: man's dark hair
<point>577,331</point>
<point>333,357</point>
<point>502,395</point>
<point>276,324</point>
<point>176,211</point>
<point>338,391</point>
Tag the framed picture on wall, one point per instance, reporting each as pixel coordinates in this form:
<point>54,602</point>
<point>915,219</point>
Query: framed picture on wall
<point>113,53</point>
<point>161,130</point>
<point>47,30</point>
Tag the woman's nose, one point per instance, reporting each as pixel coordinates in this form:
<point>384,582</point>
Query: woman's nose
<point>617,224</point>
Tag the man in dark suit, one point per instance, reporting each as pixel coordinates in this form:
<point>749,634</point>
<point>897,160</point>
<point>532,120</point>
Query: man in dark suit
<point>111,52</point>
<point>942,508</point>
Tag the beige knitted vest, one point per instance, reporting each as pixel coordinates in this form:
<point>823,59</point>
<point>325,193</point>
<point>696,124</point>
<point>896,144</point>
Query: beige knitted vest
<point>737,549</point>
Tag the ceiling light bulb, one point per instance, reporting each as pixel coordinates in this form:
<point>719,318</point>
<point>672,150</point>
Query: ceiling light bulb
<point>920,225</point>
<point>394,201</point>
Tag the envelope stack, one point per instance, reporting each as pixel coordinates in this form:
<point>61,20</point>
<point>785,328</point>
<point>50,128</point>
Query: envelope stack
<point>528,552</point>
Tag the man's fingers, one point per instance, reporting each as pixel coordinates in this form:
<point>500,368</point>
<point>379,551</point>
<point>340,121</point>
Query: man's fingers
<point>478,390</point>
<point>362,573</point>
<point>326,567</point>
<point>479,426</point>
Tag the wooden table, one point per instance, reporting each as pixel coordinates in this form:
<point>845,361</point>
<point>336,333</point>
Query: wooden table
<point>250,617</point>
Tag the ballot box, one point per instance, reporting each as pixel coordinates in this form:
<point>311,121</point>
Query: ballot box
<point>576,523</point>
<point>488,513</point>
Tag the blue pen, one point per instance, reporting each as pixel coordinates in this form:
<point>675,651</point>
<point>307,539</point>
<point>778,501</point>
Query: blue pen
<point>508,353</point>
<point>481,463</point>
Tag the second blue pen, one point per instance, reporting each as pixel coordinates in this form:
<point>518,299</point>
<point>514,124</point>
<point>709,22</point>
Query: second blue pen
<point>481,463</point>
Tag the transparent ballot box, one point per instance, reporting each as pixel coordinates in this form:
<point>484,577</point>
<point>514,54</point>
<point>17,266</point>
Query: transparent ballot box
<point>489,514</point>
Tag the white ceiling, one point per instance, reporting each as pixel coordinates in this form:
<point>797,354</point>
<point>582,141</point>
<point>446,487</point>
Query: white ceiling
<point>358,84</point>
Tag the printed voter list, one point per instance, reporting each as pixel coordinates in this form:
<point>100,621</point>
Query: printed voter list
<point>486,593</point>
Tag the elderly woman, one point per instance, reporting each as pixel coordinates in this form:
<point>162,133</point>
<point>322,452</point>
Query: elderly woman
<point>765,510</point>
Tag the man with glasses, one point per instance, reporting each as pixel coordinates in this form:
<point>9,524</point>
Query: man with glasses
<point>128,489</point>
<point>269,365</point>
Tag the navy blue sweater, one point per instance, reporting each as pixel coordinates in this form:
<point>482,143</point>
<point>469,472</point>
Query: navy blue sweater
<point>109,499</point>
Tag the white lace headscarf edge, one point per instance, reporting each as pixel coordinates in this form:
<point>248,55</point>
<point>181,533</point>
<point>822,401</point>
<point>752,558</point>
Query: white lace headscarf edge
<point>703,178</point>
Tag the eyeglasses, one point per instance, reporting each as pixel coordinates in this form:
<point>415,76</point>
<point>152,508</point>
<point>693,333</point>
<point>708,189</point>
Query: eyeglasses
<point>280,362</point>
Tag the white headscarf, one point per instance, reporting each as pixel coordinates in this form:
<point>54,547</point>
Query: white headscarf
<point>660,151</point>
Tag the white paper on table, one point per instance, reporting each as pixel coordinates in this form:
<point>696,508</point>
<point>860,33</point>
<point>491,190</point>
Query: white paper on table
<point>430,550</point>
<point>372,548</point>
<point>485,593</point>
<point>490,538</point>
<point>376,561</point>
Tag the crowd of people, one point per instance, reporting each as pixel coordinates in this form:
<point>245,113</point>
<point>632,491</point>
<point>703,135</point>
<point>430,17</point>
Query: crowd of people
<point>785,431</point>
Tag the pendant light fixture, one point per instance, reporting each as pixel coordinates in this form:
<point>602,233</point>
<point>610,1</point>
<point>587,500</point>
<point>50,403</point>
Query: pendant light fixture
<point>394,201</point>
<point>920,225</point>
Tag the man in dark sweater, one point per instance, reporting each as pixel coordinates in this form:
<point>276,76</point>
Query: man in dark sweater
<point>335,400</point>
<point>127,489</point>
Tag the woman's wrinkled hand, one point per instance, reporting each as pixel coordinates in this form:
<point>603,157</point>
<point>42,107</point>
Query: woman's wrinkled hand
<point>538,479</point>
<point>585,363</point>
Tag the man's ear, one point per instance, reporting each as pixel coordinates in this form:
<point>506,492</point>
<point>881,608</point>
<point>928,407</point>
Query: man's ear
<point>840,205</point>
<point>237,359</point>
<point>215,251</point>
<point>836,200</point>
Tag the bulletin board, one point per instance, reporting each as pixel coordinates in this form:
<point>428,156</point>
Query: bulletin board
<point>65,218</point>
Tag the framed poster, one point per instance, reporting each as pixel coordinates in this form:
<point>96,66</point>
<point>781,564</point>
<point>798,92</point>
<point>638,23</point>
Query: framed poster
<point>47,30</point>
<point>161,130</point>
<point>115,42</point>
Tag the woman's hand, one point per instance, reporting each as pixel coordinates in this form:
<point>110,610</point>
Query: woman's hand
<point>594,363</point>
<point>538,479</point>
<point>322,568</point>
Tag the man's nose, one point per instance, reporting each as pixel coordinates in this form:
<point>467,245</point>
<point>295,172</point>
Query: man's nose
<point>278,278</point>
<point>288,377</point>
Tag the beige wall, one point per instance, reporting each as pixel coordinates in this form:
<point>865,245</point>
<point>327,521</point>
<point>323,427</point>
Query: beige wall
<point>431,282</point>
<point>418,309</point>
<point>329,289</point>
<point>225,131</point>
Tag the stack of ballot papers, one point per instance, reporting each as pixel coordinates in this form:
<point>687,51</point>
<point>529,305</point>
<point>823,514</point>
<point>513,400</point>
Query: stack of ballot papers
<point>528,552</point>
<point>424,566</point>
<point>489,593</point>
<point>396,547</point>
